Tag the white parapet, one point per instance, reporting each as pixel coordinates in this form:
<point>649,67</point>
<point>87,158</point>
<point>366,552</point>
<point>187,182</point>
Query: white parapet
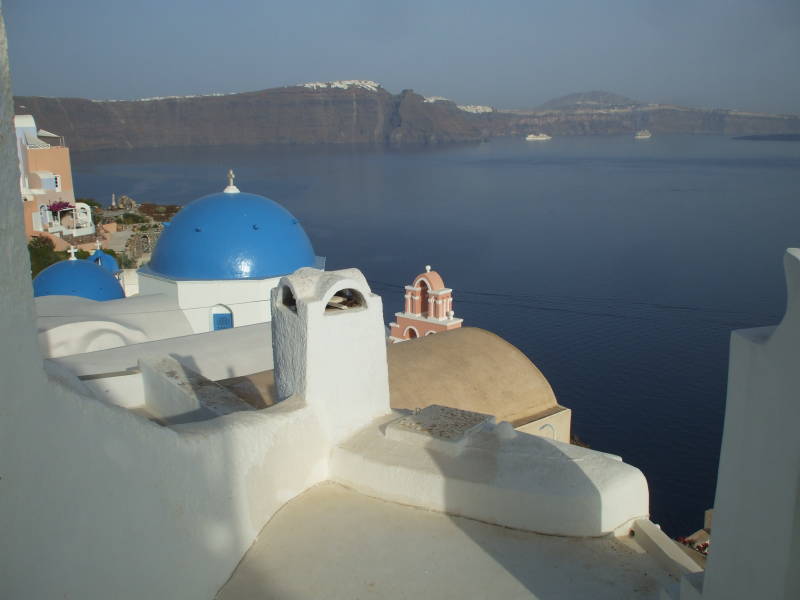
<point>461,463</point>
<point>175,393</point>
<point>664,549</point>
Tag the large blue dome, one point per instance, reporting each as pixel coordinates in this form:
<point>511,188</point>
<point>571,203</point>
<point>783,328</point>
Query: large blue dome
<point>77,278</point>
<point>231,236</point>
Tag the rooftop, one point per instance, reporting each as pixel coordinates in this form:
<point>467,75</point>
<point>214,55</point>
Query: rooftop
<point>361,547</point>
<point>471,369</point>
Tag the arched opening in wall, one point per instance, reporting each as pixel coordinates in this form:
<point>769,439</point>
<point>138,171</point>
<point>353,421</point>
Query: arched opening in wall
<point>287,298</point>
<point>83,215</point>
<point>345,299</point>
<point>104,339</point>
<point>429,332</point>
<point>411,333</point>
<point>221,317</point>
<point>146,246</point>
<point>423,297</point>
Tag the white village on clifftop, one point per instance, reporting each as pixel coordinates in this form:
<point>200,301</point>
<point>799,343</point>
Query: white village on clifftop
<point>237,422</point>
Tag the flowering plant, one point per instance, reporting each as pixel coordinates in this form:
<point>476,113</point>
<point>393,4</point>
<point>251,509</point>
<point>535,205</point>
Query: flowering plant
<point>59,206</point>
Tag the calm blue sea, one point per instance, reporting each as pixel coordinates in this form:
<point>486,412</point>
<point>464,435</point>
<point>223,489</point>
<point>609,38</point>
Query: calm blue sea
<point>618,266</point>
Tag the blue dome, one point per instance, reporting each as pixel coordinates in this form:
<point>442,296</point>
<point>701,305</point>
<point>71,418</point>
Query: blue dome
<point>77,278</point>
<point>231,236</point>
<point>108,262</point>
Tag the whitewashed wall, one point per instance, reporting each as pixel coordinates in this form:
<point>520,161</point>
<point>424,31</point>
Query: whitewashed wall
<point>97,503</point>
<point>247,299</point>
<point>335,359</point>
<point>755,549</point>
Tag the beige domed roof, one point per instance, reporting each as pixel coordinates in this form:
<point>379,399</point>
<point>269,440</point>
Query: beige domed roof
<point>471,369</point>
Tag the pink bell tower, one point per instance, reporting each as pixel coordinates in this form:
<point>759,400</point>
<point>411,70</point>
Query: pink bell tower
<point>428,309</point>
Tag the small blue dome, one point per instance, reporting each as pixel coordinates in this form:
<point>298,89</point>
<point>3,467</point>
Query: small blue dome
<point>231,236</point>
<point>107,261</point>
<point>77,278</point>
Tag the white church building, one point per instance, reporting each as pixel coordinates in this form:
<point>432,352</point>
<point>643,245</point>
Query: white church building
<point>212,268</point>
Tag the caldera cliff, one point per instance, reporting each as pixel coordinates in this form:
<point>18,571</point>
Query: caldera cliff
<point>359,112</point>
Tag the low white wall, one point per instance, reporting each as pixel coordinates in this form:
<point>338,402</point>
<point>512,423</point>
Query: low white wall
<point>88,336</point>
<point>163,398</point>
<point>73,325</point>
<point>215,355</point>
<point>663,549</point>
<point>501,476</point>
<point>99,503</point>
<point>124,390</point>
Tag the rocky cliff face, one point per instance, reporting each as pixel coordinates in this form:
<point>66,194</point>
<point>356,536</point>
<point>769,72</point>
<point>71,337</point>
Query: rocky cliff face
<point>352,112</point>
<point>291,115</point>
<point>421,122</point>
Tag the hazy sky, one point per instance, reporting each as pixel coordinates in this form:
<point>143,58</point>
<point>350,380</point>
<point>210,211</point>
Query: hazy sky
<point>507,53</point>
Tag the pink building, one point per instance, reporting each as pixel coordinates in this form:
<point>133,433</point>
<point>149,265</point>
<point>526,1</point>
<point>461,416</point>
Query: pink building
<point>428,309</point>
<point>45,182</point>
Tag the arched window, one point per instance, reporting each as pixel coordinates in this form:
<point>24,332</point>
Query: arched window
<point>411,333</point>
<point>221,317</point>
<point>423,297</point>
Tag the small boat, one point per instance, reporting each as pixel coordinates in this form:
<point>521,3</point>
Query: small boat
<point>643,134</point>
<point>538,137</point>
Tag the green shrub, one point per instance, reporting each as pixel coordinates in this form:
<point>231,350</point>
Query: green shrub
<point>42,254</point>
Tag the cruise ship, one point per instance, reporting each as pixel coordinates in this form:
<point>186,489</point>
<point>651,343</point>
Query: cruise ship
<point>643,134</point>
<point>538,137</point>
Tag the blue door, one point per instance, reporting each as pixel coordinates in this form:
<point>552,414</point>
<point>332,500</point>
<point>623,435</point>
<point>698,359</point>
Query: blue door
<point>223,321</point>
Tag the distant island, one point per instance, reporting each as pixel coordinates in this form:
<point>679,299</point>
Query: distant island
<point>596,100</point>
<point>364,112</point>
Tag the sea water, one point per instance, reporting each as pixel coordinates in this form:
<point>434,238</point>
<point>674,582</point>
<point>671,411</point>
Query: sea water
<point>618,266</point>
